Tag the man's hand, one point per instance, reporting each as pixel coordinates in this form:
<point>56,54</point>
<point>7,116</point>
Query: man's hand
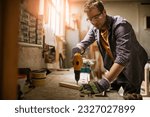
<point>95,87</point>
<point>76,50</point>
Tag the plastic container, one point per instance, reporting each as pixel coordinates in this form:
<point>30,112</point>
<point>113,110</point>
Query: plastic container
<point>85,75</point>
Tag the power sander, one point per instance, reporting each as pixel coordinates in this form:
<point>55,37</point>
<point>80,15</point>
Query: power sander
<point>77,65</point>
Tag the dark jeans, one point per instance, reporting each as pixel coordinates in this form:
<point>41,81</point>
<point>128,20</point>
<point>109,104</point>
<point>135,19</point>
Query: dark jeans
<point>126,85</point>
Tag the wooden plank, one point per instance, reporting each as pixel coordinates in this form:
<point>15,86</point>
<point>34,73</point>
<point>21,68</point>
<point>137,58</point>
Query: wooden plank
<point>69,85</point>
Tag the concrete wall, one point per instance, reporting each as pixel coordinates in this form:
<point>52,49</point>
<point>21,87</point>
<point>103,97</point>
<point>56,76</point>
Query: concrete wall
<point>72,39</point>
<point>135,13</point>
<point>144,34</point>
<point>30,57</point>
<point>128,10</point>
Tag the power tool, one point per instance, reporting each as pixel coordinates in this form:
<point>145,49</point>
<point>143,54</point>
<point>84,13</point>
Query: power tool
<point>77,64</point>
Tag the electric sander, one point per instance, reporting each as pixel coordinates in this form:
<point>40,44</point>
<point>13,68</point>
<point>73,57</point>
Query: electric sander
<point>77,65</point>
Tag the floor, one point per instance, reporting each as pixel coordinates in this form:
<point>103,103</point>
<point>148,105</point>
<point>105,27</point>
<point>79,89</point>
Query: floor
<point>52,91</point>
<point>142,92</point>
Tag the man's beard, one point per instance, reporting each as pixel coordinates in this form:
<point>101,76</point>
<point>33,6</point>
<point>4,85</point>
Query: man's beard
<point>103,26</point>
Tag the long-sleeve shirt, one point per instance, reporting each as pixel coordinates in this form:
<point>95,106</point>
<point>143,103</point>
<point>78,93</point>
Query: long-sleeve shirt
<point>124,46</point>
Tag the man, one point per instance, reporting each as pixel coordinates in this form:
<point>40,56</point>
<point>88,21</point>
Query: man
<point>123,56</point>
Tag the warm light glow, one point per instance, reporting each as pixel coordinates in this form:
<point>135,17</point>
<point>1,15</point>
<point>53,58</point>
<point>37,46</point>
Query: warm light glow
<point>53,20</point>
<point>41,7</point>
<point>67,13</point>
<point>58,18</point>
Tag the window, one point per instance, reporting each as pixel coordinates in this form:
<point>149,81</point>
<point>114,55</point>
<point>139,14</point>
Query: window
<point>67,13</point>
<point>56,16</point>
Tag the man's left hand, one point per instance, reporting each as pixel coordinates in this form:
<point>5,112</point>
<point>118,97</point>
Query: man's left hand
<point>95,87</point>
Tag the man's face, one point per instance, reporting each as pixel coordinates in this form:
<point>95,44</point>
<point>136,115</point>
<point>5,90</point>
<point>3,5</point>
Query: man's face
<point>96,17</point>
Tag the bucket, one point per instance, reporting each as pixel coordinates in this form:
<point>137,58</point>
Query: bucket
<point>38,77</point>
<point>22,81</point>
<point>38,82</point>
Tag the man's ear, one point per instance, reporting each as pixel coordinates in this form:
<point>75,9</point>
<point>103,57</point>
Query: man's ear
<point>104,12</point>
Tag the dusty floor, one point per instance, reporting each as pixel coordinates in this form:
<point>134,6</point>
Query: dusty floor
<point>52,91</point>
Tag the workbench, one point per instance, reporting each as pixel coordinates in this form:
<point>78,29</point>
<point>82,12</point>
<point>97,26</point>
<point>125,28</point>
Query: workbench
<point>53,91</point>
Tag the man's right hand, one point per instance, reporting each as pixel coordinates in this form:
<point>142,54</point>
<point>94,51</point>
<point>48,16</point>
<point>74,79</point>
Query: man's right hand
<point>75,50</point>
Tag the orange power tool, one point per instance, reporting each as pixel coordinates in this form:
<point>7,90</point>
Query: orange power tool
<point>77,64</point>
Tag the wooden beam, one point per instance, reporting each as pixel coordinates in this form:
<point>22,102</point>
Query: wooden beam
<point>1,48</point>
<point>69,85</point>
<point>9,52</point>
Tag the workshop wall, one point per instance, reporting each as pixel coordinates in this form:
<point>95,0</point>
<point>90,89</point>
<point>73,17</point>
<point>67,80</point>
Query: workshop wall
<point>77,8</point>
<point>135,13</point>
<point>73,34</point>
<point>31,56</point>
<point>124,9</point>
<point>144,34</point>
<point>60,48</point>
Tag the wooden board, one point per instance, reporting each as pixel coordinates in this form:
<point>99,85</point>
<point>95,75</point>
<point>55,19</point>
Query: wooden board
<point>69,85</point>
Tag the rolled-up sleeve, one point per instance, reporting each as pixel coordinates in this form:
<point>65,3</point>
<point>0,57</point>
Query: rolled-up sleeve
<point>88,39</point>
<point>123,43</point>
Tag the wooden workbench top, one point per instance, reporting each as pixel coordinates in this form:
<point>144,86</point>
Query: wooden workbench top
<point>52,91</point>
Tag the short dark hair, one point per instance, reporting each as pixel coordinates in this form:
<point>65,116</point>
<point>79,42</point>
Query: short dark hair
<point>93,3</point>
